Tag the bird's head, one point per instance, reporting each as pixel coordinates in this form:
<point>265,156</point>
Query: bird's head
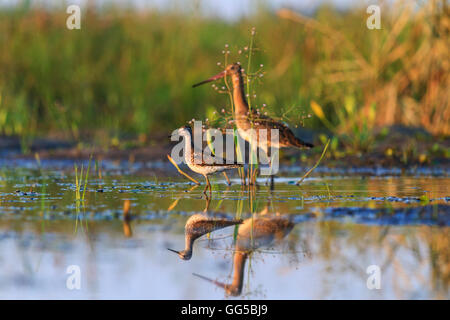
<point>230,70</point>
<point>183,131</point>
<point>184,254</point>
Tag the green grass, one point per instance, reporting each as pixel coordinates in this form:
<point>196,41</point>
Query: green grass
<point>81,182</point>
<point>128,73</point>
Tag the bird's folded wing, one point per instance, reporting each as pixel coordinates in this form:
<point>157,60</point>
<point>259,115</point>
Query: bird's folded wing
<point>208,160</point>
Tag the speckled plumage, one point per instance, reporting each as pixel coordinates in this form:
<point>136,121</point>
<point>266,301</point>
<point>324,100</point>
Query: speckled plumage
<point>199,162</point>
<point>254,233</point>
<point>247,119</point>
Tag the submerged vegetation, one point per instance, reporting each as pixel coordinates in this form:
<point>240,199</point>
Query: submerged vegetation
<point>128,73</point>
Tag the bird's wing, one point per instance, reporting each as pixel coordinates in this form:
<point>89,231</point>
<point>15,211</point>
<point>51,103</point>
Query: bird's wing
<point>214,161</point>
<point>286,136</point>
<point>205,226</point>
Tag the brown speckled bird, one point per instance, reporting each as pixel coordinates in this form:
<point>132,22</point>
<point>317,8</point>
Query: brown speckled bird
<point>247,119</point>
<point>199,162</point>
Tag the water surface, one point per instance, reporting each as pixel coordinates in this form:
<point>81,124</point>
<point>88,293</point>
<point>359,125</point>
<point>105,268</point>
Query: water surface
<point>312,241</point>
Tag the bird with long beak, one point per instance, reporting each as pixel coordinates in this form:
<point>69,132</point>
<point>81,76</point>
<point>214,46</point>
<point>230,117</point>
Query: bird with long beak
<point>249,122</point>
<point>200,224</point>
<point>197,161</point>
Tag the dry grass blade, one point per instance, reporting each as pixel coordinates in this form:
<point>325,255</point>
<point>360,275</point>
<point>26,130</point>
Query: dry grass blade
<point>181,171</point>
<point>332,33</point>
<point>317,163</point>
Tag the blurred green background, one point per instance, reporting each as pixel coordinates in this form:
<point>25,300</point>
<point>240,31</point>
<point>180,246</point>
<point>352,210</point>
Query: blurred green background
<point>128,72</point>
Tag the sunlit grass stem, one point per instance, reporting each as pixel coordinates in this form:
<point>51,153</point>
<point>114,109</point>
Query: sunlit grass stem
<point>317,163</point>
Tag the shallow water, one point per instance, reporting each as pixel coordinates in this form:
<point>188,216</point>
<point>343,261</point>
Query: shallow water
<point>313,241</point>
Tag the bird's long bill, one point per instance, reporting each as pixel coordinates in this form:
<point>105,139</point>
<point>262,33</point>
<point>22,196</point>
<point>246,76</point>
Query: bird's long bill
<point>214,78</point>
<point>177,252</point>
<point>217,283</point>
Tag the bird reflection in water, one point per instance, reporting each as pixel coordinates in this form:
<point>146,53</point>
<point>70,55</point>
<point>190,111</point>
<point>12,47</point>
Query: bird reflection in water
<point>200,224</point>
<point>127,231</point>
<point>261,230</point>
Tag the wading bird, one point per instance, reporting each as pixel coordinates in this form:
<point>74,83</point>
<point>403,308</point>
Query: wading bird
<point>247,119</point>
<point>198,162</point>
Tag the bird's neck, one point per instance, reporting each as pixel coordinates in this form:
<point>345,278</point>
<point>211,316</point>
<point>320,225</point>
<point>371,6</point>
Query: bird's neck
<point>188,243</point>
<point>188,147</point>
<point>240,102</point>
<point>238,272</point>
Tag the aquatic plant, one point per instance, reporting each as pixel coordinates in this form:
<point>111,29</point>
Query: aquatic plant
<point>80,181</point>
<point>316,165</point>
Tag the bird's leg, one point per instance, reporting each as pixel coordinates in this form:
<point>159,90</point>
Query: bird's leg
<point>208,200</point>
<point>244,182</point>
<point>271,175</point>
<point>255,175</point>
<point>271,182</point>
<point>253,160</point>
<point>226,177</point>
<point>270,168</point>
<point>207,183</point>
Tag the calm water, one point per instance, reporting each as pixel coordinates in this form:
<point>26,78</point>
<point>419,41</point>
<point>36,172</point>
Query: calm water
<point>314,241</point>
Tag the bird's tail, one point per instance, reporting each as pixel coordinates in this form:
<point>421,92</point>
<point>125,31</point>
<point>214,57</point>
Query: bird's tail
<point>301,144</point>
<point>233,165</point>
<point>228,165</point>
